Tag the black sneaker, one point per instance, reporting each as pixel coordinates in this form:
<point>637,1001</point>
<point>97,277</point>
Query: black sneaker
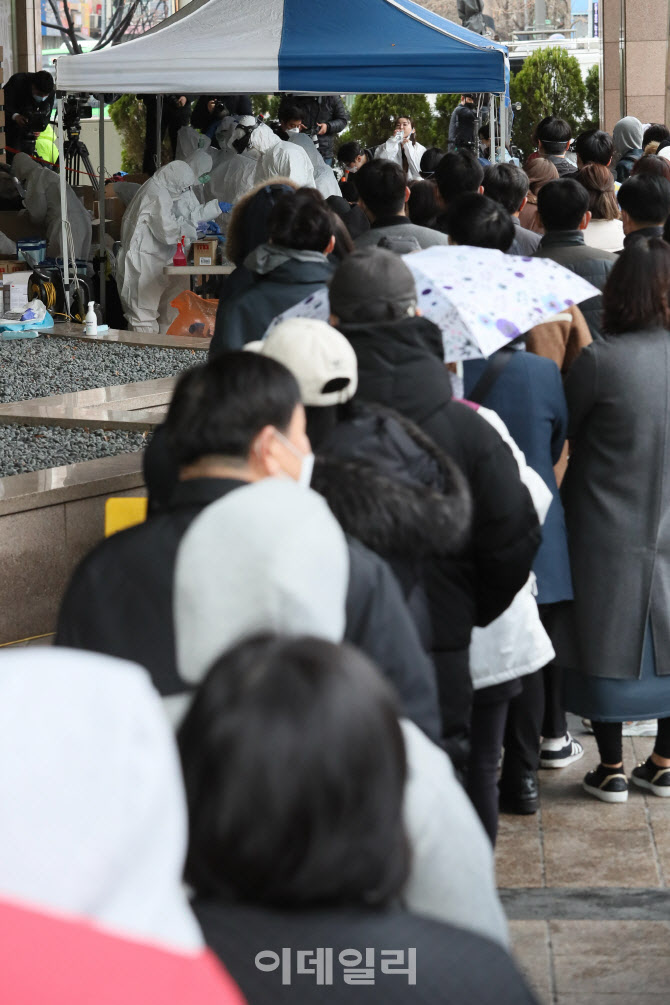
<point>650,776</point>
<point>560,753</point>
<point>608,784</point>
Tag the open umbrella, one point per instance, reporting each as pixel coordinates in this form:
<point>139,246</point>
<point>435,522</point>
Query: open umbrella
<point>481,299</point>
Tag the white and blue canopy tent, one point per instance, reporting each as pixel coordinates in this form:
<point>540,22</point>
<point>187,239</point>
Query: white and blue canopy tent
<point>298,46</point>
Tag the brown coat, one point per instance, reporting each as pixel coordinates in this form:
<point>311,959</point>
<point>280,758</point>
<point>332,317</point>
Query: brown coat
<point>561,339</point>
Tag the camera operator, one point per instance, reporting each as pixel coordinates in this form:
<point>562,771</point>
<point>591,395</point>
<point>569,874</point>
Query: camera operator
<point>209,109</point>
<point>323,117</point>
<point>29,99</point>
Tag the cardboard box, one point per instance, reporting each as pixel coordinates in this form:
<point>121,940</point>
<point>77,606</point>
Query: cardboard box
<point>86,195</point>
<point>12,265</point>
<point>18,292</point>
<point>204,252</point>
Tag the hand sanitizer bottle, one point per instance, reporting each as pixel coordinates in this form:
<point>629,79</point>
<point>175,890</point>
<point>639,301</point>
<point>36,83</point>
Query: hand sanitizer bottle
<point>91,320</point>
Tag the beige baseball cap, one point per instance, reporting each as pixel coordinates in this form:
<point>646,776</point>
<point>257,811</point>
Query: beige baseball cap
<point>316,354</point>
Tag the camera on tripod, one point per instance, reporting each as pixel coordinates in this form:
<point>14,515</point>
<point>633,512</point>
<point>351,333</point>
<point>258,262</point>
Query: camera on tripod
<point>75,108</point>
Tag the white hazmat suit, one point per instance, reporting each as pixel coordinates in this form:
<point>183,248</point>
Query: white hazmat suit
<point>286,160</point>
<point>324,176</point>
<point>42,202</point>
<point>188,206</point>
<point>150,231</point>
<point>265,157</point>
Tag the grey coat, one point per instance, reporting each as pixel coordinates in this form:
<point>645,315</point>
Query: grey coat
<point>616,496</point>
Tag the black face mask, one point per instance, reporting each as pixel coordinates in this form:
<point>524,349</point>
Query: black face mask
<point>242,142</point>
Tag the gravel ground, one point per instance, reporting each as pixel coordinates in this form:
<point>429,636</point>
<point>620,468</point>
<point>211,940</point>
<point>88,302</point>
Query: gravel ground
<point>30,448</point>
<point>36,368</point>
<point>46,366</point>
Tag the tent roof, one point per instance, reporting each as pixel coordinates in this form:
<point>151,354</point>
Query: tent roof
<point>299,46</point>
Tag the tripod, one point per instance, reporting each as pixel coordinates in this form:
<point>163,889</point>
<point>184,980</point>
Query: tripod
<point>76,155</point>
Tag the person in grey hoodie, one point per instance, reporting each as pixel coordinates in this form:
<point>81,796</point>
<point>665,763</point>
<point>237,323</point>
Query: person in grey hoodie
<point>627,135</point>
<point>271,557</point>
<point>293,264</point>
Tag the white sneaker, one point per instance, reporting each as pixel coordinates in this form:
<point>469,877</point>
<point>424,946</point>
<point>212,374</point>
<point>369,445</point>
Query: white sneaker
<point>646,727</point>
<point>561,752</point>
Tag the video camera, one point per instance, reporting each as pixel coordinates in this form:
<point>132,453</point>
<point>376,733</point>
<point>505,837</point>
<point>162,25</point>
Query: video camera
<point>37,121</point>
<point>75,108</point>
<point>220,110</point>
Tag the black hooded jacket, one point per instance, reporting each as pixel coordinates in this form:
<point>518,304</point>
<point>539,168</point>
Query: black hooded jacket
<point>395,491</point>
<point>400,364</point>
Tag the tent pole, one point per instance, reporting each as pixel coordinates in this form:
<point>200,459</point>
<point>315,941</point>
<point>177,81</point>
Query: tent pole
<point>503,130</point>
<point>102,249</point>
<point>63,205</point>
<point>159,131</point>
<point>492,127</point>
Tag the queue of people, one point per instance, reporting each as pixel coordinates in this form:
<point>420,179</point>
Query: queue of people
<point>372,582</point>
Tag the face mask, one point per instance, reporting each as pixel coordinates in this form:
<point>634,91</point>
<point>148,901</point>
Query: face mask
<point>40,98</point>
<point>204,178</point>
<point>294,131</point>
<point>307,461</point>
<point>353,170</point>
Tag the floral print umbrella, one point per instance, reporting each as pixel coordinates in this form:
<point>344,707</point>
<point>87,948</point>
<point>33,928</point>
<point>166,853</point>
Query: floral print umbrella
<point>481,299</point>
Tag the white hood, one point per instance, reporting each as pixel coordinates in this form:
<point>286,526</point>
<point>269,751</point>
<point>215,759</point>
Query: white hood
<point>286,160</point>
<point>94,816</point>
<point>200,162</point>
<point>267,557</point>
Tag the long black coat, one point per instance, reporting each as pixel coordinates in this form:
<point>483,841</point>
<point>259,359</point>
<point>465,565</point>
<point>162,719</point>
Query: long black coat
<point>119,602</point>
<point>393,489</point>
<point>400,366</point>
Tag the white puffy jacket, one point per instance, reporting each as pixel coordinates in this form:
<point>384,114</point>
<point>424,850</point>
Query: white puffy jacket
<point>515,644</point>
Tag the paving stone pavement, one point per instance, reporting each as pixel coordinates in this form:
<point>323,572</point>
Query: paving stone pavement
<point>586,888</point>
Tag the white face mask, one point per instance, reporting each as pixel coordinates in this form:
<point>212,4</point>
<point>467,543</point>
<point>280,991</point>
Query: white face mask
<point>353,169</point>
<point>307,461</point>
<point>293,131</point>
<point>40,98</point>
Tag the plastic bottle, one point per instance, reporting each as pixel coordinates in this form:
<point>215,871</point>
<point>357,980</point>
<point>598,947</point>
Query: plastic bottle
<point>91,320</point>
<point>180,256</point>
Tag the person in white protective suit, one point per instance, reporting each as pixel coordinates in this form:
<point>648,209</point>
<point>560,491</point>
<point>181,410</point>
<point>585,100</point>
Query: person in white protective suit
<point>188,141</point>
<point>254,154</point>
<point>286,160</point>
<point>150,231</point>
<point>324,178</point>
<point>188,205</point>
<point>42,202</point>
<point>402,147</point>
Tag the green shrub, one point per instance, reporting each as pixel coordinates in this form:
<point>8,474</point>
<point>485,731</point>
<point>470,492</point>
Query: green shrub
<point>128,115</point>
<point>593,98</point>
<point>549,83</point>
<point>444,106</point>
<point>266,105</point>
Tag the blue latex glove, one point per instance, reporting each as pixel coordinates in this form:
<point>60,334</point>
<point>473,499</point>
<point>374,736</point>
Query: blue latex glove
<point>225,207</point>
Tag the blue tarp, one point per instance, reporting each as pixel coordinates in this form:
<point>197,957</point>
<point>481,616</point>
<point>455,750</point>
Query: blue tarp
<point>384,46</point>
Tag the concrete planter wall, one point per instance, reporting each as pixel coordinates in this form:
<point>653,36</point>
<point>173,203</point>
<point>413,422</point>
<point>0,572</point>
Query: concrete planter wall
<point>48,521</point>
